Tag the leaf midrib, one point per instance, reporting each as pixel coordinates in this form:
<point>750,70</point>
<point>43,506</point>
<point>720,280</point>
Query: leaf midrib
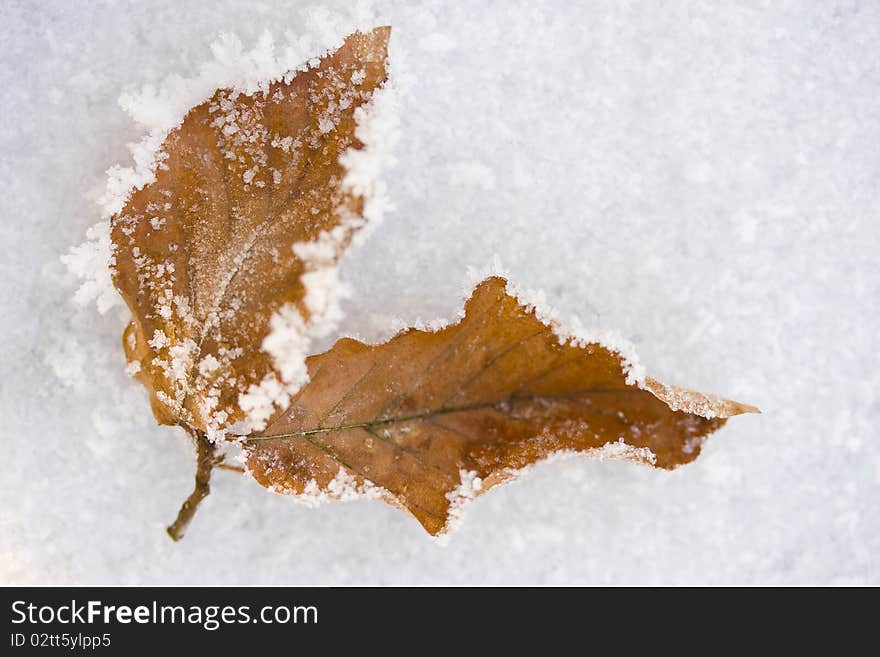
<point>448,410</point>
<point>272,213</point>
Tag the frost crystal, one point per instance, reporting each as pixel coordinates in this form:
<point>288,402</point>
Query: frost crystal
<point>378,131</point>
<point>91,262</point>
<point>459,497</point>
<point>344,487</point>
<point>260,401</point>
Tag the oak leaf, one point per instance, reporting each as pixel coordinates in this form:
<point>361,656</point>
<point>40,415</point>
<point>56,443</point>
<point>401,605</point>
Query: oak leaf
<point>428,420</point>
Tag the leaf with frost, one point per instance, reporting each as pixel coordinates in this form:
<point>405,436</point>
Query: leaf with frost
<point>211,250</point>
<point>227,260</point>
<point>433,419</point>
<point>241,228</point>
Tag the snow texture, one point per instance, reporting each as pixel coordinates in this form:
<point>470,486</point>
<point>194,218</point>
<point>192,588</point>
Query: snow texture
<point>702,178</point>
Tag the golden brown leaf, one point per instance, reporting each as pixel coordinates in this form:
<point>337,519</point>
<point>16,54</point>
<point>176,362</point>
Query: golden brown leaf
<point>203,255</point>
<point>429,419</point>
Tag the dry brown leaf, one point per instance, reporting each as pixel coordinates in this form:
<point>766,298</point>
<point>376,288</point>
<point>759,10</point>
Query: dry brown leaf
<point>428,420</point>
<point>203,255</point>
<point>211,255</point>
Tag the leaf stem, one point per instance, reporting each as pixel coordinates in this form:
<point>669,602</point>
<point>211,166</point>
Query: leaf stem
<point>231,468</point>
<point>204,465</point>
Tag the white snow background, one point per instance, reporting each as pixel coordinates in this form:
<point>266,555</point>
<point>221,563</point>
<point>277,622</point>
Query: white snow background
<point>703,178</point>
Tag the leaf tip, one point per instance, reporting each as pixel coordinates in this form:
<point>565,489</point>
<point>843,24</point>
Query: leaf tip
<point>744,409</point>
<point>697,403</point>
<point>377,39</point>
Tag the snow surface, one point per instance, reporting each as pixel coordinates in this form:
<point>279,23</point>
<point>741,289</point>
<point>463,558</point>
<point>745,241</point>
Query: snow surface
<point>703,180</point>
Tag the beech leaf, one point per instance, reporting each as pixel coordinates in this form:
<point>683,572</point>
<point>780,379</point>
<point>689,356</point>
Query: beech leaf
<point>429,420</point>
<point>204,256</point>
<point>217,260</point>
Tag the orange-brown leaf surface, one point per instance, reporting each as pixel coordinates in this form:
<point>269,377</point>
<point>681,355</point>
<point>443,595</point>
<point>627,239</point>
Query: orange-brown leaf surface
<point>203,255</point>
<point>428,420</point>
